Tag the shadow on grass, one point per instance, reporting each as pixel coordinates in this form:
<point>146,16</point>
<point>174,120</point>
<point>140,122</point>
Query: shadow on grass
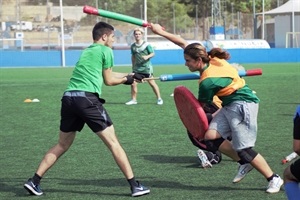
<point>119,182</point>
<point>176,159</point>
<point>170,159</point>
<point>16,186</point>
<point>97,187</point>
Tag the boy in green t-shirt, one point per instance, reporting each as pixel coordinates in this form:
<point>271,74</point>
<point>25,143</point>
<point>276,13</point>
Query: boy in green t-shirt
<point>81,104</point>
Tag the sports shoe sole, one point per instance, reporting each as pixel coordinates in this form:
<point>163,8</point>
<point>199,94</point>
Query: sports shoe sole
<point>144,192</point>
<point>31,190</point>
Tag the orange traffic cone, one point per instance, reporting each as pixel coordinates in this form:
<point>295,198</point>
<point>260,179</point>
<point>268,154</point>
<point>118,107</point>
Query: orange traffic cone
<point>27,100</point>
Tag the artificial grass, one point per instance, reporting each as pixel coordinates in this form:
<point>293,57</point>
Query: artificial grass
<point>153,136</point>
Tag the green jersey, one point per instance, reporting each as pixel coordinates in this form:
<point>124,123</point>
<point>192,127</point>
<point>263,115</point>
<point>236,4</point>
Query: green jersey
<point>87,74</point>
<point>141,65</point>
<point>211,86</point>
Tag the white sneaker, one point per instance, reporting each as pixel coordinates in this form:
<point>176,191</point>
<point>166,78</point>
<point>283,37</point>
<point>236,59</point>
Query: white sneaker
<point>131,102</point>
<point>274,185</point>
<point>243,170</point>
<point>203,159</point>
<point>160,102</point>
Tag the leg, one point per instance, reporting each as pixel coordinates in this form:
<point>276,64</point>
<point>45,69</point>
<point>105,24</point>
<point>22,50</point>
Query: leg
<point>64,143</point>
<point>134,91</point>
<point>156,91</point>
<point>225,147</point>
<point>215,142</point>
<point>110,139</point>
<point>261,165</point>
<point>291,177</point>
<point>248,155</point>
<point>155,88</point>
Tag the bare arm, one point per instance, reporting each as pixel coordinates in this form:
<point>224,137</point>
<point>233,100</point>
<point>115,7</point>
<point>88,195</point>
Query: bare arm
<point>113,78</point>
<point>157,29</point>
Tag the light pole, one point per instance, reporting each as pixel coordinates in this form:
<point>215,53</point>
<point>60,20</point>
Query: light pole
<point>105,5</point>
<point>48,9</point>
<point>254,21</point>
<point>0,10</point>
<point>97,6</point>
<point>174,19</point>
<point>232,18</point>
<point>196,34</point>
<point>145,18</point>
<point>263,20</point>
<point>141,10</point>
<point>62,34</point>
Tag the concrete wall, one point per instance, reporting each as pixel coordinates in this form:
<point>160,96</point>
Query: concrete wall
<point>122,57</point>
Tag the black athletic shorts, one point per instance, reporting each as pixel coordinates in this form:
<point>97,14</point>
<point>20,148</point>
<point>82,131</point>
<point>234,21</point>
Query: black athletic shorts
<point>146,75</point>
<point>295,166</point>
<point>79,107</point>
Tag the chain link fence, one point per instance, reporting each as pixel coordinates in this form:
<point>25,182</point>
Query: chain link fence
<point>38,26</point>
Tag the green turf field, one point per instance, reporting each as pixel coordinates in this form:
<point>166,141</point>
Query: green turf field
<point>153,136</point>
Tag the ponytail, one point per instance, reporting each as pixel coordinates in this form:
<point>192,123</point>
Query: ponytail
<point>219,53</point>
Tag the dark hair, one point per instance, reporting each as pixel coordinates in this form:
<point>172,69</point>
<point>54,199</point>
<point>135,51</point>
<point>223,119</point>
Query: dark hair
<point>100,29</point>
<point>196,50</point>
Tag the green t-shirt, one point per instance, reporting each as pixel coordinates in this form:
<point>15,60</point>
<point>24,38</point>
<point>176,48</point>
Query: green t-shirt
<point>141,65</point>
<point>87,74</point>
<point>210,86</point>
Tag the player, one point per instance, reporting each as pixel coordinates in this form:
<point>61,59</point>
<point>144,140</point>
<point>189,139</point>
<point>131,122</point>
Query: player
<point>81,104</point>
<point>291,174</point>
<point>237,118</point>
<point>141,53</point>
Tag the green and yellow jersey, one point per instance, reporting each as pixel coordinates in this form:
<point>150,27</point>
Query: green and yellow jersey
<point>222,80</point>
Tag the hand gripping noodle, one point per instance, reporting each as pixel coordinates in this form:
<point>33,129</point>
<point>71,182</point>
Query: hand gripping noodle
<point>190,112</point>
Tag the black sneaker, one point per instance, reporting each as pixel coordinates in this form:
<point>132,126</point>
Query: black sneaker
<point>32,188</point>
<point>139,190</point>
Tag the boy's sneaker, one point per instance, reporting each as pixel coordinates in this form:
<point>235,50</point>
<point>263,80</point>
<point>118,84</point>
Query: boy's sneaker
<point>139,190</point>
<point>32,188</point>
<point>131,102</point>
<point>160,102</point>
<point>203,159</point>
<point>242,172</point>
<point>274,185</point>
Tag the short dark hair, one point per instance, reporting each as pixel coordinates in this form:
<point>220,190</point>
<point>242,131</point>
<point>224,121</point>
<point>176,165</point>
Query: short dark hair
<point>100,29</point>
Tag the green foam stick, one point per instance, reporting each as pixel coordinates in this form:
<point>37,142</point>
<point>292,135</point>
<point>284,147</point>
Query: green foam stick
<point>112,15</point>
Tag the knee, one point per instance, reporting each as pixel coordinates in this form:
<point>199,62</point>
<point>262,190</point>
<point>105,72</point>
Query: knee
<point>212,135</point>
<point>247,155</point>
<point>63,146</point>
<point>213,145</point>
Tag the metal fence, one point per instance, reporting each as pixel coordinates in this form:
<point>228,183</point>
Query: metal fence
<point>38,26</point>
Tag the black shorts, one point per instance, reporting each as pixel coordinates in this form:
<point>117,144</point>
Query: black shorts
<point>146,75</point>
<point>78,108</point>
<point>295,166</point>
